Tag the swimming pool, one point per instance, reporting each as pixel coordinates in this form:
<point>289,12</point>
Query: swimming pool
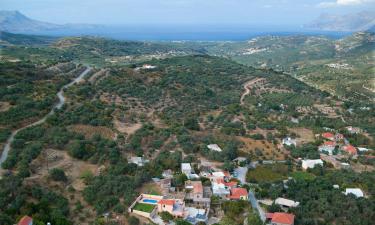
<point>150,201</point>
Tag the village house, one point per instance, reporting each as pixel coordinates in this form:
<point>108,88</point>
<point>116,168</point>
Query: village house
<point>353,130</point>
<point>286,203</point>
<point>214,147</point>
<point>239,160</point>
<point>339,137</point>
<point>279,218</point>
<point>288,141</point>
<point>25,220</point>
<point>349,149</point>
<point>195,192</point>
<point>148,66</point>
<point>311,163</point>
<point>186,169</point>
<point>140,161</point>
<point>219,189</point>
<point>355,191</point>
<point>175,207</point>
<point>328,135</point>
<point>327,147</point>
<point>238,194</point>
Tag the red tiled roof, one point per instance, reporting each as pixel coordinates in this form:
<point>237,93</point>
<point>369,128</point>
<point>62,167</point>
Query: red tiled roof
<point>26,220</point>
<point>283,218</point>
<point>166,202</point>
<point>350,149</point>
<point>197,187</point>
<point>230,184</point>
<point>328,135</point>
<point>237,193</point>
<point>269,215</point>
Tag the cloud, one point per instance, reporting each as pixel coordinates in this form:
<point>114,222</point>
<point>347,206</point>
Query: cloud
<point>344,3</point>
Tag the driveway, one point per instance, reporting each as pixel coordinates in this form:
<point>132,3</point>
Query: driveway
<point>241,174</point>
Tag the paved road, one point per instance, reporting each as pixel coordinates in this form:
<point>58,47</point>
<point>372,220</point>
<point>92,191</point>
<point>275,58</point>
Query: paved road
<point>58,105</point>
<point>254,203</point>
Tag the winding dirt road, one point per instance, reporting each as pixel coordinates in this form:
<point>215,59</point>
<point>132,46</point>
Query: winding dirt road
<point>58,105</point>
<point>247,86</point>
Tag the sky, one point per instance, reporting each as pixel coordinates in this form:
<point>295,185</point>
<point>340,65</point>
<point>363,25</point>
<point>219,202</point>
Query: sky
<point>220,12</point>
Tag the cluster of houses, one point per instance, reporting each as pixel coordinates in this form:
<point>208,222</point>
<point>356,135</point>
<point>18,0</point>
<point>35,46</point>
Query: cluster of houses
<point>193,203</point>
<point>336,142</point>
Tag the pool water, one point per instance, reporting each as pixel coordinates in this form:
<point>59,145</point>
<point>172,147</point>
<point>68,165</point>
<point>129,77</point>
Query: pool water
<point>152,201</point>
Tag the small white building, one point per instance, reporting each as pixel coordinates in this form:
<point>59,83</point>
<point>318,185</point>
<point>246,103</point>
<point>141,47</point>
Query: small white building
<point>286,202</point>
<point>214,147</point>
<point>167,174</point>
<point>353,130</point>
<point>311,163</point>
<point>361,149</point>
<point>140,161</point>
<point>186,169</point>
<point>148,67</point>
<point>355,191</point>
<point>289,141</point>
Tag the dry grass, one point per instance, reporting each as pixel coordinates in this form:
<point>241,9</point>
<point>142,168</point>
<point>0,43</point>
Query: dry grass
<point>73,169</point>
<point>4,106</point>
<point>269,150</point>
<point>127,128</point>
<point>89,131</point>
<point>305,135</point>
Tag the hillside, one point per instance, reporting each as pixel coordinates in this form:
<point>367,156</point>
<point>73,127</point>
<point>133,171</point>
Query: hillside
<point>319,61</point>
<point>7,38</point>
<point>360,21</point>
<point>14,21</point>
<point>166,102</point>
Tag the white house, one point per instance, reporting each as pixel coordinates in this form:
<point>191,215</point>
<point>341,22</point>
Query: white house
<point>361,149</point>
<point>140,161</point>
<point>219,189</point>
<point>214,147</point>
<point>286,202</point>
<point>353,130</point>
<point>186,169</point>
<point>148,66</point>
<point>311,163</point>
<point>327,146</point>
<point>289,141</point>
<point>355,191</point>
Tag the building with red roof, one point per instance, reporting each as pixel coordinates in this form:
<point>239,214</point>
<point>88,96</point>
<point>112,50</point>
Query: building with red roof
<point>329,136</point>
<point>350,149</point>
<point>327,146</point>
<point>26,220</point>
<point>279,218</point>
<point>175,207</point>
<point>238,194</point>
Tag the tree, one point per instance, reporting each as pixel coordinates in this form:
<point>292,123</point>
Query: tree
<point>133,220</point>
<point>191,123</point>
<point>166,216</point>
<point>253,219</point>
<point>182,222</point>
<point>58,174</point>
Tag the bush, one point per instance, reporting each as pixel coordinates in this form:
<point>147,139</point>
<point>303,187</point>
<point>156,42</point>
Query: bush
<point>166,216</point>
<point>58,175</point>
<point>133,220</point>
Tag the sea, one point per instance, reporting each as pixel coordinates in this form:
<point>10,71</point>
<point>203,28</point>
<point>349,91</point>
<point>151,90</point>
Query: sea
<point>186,32</point>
